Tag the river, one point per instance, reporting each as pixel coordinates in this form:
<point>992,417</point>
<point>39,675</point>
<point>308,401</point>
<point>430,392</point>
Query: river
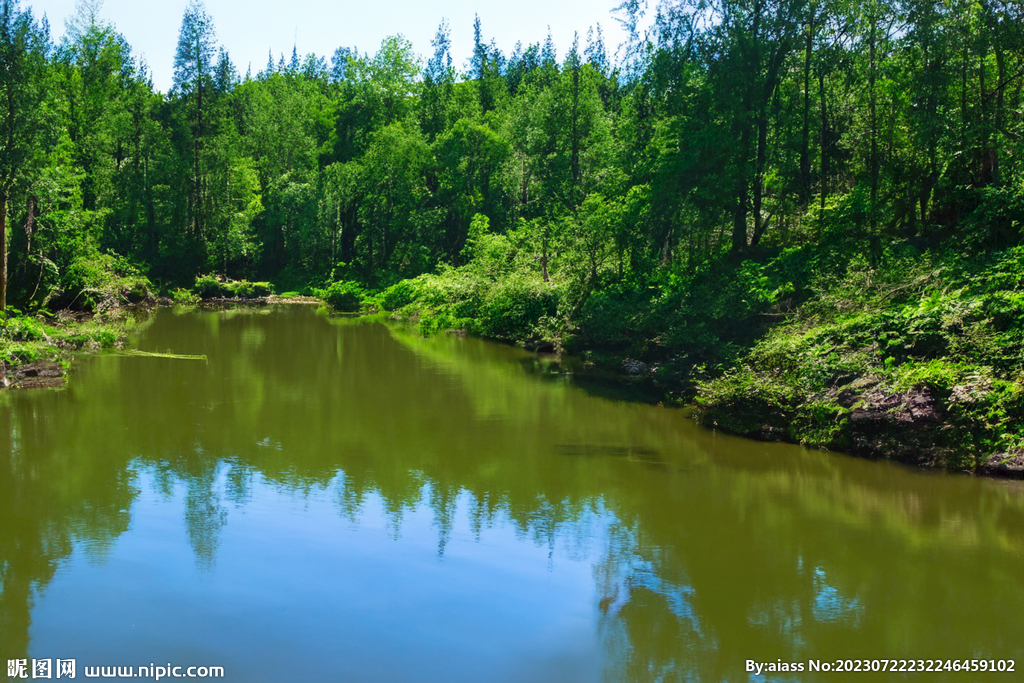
<point>328,499</point>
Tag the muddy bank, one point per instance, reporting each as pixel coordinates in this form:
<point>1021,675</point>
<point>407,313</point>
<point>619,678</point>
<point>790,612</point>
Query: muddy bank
<point>36,350</point>
<point>37,375</point>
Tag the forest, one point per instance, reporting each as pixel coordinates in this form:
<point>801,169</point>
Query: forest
<point>804,217</point>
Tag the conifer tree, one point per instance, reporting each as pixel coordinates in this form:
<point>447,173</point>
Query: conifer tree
<point>193,76</point>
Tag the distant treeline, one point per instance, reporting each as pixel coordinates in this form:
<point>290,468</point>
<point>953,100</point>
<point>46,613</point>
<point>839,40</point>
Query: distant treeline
<point>727,127</point>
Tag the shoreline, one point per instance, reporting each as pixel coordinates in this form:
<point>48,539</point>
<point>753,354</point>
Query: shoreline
<point>898,427</point>
<point>903,427</point>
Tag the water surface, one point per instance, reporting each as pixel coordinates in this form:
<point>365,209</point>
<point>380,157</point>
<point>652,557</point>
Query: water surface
<point>324,499</point>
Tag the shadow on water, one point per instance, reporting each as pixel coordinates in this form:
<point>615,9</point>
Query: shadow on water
<point>596,382</point>
<point>332,481</point>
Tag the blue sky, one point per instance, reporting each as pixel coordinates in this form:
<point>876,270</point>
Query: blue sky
<point>248,29</point>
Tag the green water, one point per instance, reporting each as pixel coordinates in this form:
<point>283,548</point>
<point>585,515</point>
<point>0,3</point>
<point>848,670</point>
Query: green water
<point>323,500</point>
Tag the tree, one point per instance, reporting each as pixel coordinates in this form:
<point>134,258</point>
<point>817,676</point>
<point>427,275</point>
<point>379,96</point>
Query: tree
<point>438,85</point>
<point>193,78</point>
<point>573,125</point>
<point>24,49</point>
<point>95,67</point>
<point>469,157</point>
<point>391,80</point>
<point>395,195</point>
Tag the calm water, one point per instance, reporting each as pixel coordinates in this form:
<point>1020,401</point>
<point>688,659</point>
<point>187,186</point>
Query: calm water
<point>324,500</point>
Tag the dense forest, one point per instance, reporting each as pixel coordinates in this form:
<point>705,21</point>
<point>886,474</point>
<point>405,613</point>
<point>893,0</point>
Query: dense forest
<point>806,215</point>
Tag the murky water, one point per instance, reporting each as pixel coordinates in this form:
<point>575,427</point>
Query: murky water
<point>324,500</point>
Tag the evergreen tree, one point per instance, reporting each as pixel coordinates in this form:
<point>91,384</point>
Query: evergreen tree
<point>595,50</point>
<point>438,84</point>
<point>193,79</point>
<point>24,49</point>
<point>339,63</point>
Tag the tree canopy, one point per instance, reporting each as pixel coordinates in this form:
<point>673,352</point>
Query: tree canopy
<point>726,130</point>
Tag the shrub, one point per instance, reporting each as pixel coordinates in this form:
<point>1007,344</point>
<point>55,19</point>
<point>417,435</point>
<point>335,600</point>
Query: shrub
<point>22,329</point>
<point>210,286</point>
<point>242,289</point>
<point>513,308</point>
<point>396,296</point>
<point>262,289</point>
<point>344,296</point>
<point>213,286</point>
<point>95,279</point>
<point>184,297</point>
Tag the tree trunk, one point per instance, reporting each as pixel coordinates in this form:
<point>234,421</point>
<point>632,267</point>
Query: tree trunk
<point>574,159</point>
<point>823,189</point>
<point>986,168</point>
<point>873,122</point>
<point>998,127</point>
<point>30,223</point>
<point>767,97</point>
<point>805,147</point>
<point>197,169</point>
<point>544,255</point>
<point>752,65</point>
<point>3,250</point>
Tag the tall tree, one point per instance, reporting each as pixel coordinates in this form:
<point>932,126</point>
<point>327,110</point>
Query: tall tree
<point>438,85</point>
<point>194,62</point>
<point>24,49</point>
<point>96,66</point>
<point>469,158</point>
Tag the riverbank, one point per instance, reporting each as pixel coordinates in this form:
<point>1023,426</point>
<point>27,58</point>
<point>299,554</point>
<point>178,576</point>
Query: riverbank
<point>36,350</point>
<point>917,358</point>
<point>919,363</point>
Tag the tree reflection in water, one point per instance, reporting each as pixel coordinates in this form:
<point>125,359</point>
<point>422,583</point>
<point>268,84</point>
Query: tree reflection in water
<point>706,551</point>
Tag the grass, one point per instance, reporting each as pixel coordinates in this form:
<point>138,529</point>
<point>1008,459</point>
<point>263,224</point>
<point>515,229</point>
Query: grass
<point>27,339</point>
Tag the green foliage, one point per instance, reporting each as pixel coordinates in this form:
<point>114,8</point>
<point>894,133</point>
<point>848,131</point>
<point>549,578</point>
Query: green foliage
<point>183,297</point>
<point>243,289</point>
<point>27,339</point>
<point>23,328</point>
<point>885,332</point>
<point>95,280</point>
<point>514,308</point>
<point>344,296</point>
<point>210,287</point>
<point>396,296</point>
<point>216,287</point>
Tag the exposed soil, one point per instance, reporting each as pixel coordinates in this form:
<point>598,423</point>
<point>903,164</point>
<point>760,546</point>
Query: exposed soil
<point>307,300</point>
<point>38,375</point>
<point>907,427</point>
<point>1005,465</point>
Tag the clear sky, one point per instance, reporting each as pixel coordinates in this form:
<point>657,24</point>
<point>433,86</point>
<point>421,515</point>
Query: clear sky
<point>249,28</point>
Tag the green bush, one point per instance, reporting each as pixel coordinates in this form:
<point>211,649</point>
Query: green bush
<point>262,289</point>
<point>210,287</point>
<point>22,328</point>
<point>94,278</point>
<point>397,296</point>
<point>183,297</point>
<point>242,289</point>
<point>513,308</point>
<point>344,296</point>
<point>213,287</point>
<point>611,318</point>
